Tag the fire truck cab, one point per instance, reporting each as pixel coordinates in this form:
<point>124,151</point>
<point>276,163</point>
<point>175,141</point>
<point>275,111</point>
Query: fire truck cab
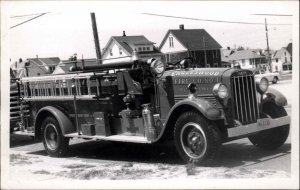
<point>150,102</point>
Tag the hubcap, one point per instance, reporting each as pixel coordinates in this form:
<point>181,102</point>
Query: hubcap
<point>51,136</point>
<point>193,140</point>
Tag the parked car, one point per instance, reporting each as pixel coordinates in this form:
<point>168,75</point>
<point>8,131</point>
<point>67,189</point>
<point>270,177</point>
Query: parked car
<point>272,77</point>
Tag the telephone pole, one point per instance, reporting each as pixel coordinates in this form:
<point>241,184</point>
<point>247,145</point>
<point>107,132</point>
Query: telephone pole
<point>268,49</point>
<point>96,39</point>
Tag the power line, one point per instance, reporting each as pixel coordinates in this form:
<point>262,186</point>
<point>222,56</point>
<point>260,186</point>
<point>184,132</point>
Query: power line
<point>210,20</point>
<point>18,16</point>
<point>28,20</point>
<point>271,14</point>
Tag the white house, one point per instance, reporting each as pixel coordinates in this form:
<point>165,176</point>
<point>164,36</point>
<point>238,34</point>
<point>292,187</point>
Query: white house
<point>247,59</point>
<point>197,43</point>
<point>282,59</point>
<point>120,48</point>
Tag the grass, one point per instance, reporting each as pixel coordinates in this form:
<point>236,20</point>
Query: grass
<point>125,172</point>
<point>19,159</point>
<point>41,172</point>
<point>191,168</point>
<point>75,166</point>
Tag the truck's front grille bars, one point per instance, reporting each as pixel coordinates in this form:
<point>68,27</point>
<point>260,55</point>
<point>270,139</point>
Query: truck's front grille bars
<point>245,99</point>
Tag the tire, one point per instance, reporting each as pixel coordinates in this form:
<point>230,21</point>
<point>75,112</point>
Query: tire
<point>273,138</point>
<point>197,140</point>
<point>275,80</point>
<point>56,145</point>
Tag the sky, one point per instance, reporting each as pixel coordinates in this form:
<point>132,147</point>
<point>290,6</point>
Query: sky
<point>67,28</point>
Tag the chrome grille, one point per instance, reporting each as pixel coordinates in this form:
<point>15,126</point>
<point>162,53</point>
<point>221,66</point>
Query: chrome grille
<point>245,99</point>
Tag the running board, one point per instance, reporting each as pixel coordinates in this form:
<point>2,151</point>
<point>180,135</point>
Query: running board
<point>26,133</point>
<point>120,138</point>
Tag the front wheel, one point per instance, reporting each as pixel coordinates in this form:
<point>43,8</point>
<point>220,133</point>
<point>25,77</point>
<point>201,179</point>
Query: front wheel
<point>272,138</point>
<point>196,139</point>
<point>54,142</point>
<point>275,80</point>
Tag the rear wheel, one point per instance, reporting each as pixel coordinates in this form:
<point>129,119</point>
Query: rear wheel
<point>272,138</point>
<point>275,80</point>
<point>196,139</point>
<point>54,142</point>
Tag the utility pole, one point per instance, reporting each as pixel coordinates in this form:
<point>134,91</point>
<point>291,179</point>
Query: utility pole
<point>204,52</point>
<point>268,49</point>
<point>96,39</point>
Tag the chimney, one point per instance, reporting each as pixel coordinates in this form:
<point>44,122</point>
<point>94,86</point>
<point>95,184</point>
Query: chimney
<point>181,27</point>
<point>37,56</point>
<point>228,48</point>
<point>124,34</point>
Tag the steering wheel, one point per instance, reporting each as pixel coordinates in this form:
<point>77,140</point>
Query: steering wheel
<point>184,63</point>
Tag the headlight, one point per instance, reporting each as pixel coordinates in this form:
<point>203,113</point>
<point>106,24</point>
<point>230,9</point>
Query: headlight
<point>157,67</point>
<point>220,90</point>
<point>262,85</point>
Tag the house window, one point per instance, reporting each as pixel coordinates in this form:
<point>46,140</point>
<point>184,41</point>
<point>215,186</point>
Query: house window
<point>216,53</point>
<point>291,59</point>
<point>171,41</point>
<point>284,53</point>
<point>148,48</point>
<point>144,48</point>
<point>120,51</point>
<point>285,59</point>
<point>243,61</point>
<point>276,60</point>
<point>111,52</point>
<point>140,49</point>
<point>251,61</point>
<point>285,67</point>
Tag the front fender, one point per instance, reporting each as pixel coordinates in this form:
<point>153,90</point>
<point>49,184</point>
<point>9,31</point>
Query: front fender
<point>65,123</point>
<point>202,105</point>
<point>273,95</point>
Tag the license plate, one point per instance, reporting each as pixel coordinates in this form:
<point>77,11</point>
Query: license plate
<point>265,122</point>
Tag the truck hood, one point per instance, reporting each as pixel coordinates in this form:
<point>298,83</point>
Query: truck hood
<point>176,81</point>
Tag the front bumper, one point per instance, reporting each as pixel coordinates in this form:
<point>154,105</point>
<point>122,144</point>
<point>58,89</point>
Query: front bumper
<point>260,125</point>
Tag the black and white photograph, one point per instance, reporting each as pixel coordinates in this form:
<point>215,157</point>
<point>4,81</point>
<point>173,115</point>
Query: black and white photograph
<point>149,94</point>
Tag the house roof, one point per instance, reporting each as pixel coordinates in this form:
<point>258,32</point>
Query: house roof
<point>225,53</point>
<point>45,61</point>
<point>244,54</point>
<point>289,48</point>
<point>279,53</point>
<point>193,39</point>
<point>128,42</point>
<point>65,65</point>
<point>40,66</point>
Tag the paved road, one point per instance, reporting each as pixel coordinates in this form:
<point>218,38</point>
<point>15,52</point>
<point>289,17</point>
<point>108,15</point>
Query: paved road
<point>237,155</point>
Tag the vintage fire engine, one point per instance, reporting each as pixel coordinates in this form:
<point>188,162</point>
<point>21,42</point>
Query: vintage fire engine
<point>150,102</point>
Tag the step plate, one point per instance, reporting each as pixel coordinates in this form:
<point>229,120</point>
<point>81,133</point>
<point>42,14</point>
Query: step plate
<point>120,138</point>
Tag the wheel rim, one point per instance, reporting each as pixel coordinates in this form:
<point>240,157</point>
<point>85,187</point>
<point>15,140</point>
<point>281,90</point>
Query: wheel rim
<point>51,136</point>
<point>193,140</point>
